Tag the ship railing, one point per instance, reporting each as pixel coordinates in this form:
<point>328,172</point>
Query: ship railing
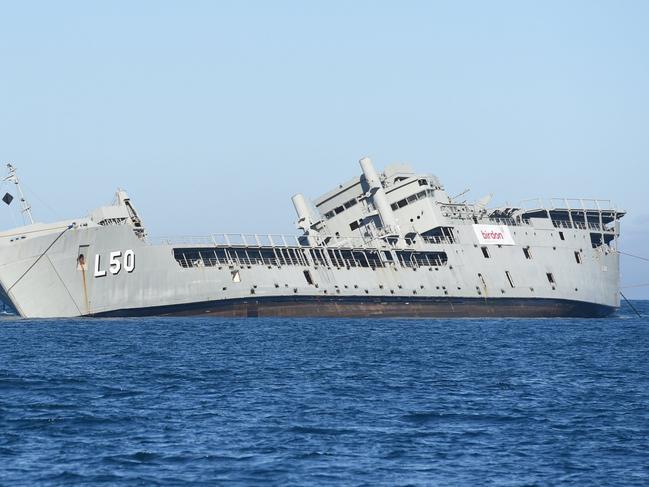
<point>268,240</point>
<point>583,204</point>
<point>437,239</point>
<point>578,224</point>
<point>581,225</point>
<point>234,255</point>
<point>255,240</point>
<point>183,240</point>
<point>510,222</point>
<point>302,241</point>
<point>234,240</point>
<point>216,262</point>
<point>434,262</point>
<point>494,220</point>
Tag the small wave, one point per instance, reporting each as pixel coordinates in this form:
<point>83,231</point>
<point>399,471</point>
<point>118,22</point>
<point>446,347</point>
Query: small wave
<point>313,455</point>
<point>313,430</point>
<point>134,458</point>
<point>396,454</point>
<point>65,477</point>
<point>440,417</point>
<point>117,393</point>
<point>227,458</point>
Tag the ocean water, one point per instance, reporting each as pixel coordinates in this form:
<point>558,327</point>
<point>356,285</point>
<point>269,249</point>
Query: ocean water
<point>204,401</point>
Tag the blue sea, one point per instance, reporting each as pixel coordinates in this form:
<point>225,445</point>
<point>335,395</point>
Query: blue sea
<point>207,401</point>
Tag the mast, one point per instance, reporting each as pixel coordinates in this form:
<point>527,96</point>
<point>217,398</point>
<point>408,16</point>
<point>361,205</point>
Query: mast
<point>25,206</point>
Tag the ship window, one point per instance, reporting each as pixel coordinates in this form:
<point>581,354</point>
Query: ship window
<point>578,257</point>
<point>354,225</point>
<point>485,252</point>
<point>550,278</point>
<point>350,203</point>
<point>329,214</point>
<point>423,182</point>
<point>394,206</point>
<point>307,276</point>
<point>596,240</point>
<point>561,236</point>
<point>339,209</point>
<point>236,277</point>
<point>509,278</point>
<point>527,252</point>
<point>401,203</point>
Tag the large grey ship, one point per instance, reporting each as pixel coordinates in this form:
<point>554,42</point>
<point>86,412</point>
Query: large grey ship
<point>390,244</point>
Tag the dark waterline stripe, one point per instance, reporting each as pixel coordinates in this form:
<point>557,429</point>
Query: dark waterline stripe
<point>376,307</point>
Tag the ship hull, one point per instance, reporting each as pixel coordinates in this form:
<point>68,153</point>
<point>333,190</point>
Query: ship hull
<point>41,277</point>
<point>393,245</point>
<point>363,307</point>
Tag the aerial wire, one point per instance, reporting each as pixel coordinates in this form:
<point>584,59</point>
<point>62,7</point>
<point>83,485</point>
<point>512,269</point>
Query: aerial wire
<point>41,200</point>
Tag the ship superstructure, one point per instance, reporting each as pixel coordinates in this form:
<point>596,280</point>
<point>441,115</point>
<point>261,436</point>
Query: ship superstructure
<point>381,244</point>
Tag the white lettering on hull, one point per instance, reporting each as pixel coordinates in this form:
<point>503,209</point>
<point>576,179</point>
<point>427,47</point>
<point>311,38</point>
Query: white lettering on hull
<point>116,262</point>
<point>98,271</point>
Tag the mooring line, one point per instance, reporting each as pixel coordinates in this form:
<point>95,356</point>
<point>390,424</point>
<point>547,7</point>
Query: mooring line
<point>637,285</point>
<point>631,255</point>
<point>629,303</point>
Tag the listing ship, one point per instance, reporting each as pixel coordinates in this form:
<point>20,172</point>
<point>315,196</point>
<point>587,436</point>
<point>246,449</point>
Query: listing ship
<point>390,244</point>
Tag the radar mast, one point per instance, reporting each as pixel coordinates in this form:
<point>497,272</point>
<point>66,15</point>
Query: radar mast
<point>25,206</point>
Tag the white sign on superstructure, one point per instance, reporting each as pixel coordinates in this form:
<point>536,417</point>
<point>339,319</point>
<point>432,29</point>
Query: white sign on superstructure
<point>493,235</point>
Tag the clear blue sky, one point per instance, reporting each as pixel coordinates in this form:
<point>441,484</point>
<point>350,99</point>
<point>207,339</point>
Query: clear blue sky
<point>212,114</point>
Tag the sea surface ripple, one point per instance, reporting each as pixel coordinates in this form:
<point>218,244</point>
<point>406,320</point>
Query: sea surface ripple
<point>168,401</point>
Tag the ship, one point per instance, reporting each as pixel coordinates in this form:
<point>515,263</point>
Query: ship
<point>382,244</point>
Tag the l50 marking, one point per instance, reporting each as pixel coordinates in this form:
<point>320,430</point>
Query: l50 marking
<point>115,264</point>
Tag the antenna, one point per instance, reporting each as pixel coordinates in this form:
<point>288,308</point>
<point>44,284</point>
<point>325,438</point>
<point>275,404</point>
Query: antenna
<point>13,177</point>
<point>461,194</point>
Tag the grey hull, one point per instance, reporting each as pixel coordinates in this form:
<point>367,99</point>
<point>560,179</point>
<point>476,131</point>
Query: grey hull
<point>390,246</point>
